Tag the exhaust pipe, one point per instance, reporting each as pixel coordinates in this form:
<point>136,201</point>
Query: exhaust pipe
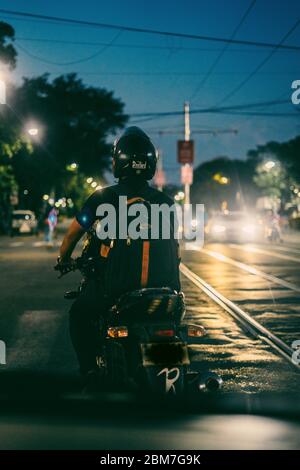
<point>209,381</point>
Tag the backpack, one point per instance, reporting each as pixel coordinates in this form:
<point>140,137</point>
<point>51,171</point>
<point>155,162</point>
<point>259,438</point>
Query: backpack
<point>139,263</point>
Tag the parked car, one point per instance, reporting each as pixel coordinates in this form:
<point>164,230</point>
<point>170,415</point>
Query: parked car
<point>23,222</point>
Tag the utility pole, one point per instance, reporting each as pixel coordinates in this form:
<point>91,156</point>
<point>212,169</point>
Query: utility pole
<point>159,178</point>
<point>187,135</point>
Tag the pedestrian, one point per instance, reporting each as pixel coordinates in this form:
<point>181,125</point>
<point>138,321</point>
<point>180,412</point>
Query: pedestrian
<point>50,225</point>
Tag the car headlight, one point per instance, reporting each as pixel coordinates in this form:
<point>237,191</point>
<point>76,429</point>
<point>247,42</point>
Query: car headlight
<point>218,228</point>
<point>249,229</point>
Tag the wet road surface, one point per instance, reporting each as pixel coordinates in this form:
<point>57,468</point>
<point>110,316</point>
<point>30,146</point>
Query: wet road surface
<point>34,319</point>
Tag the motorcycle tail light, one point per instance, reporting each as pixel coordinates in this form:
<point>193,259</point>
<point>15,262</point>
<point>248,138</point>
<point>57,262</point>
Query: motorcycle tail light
<point>117,332</point>
<point>196,331</point>
<point>165,333</point>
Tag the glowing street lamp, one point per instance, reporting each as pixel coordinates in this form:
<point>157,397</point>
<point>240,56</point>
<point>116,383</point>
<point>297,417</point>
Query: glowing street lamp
<point>33,131</point>
<point>269,165</point>
<point>179,196</point>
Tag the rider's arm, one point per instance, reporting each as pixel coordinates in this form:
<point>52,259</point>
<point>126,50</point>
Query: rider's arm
<point>82,222</point>
<point>70,240</point>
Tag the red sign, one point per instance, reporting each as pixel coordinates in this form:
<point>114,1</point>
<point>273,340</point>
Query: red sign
<point>185,151</point>
<point>187,174</point>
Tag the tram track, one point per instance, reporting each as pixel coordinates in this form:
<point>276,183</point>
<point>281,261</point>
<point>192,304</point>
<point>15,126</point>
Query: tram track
<point>246,321</point>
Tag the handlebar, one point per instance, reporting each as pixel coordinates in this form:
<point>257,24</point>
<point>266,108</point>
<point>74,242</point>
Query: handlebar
<point>81,263</point>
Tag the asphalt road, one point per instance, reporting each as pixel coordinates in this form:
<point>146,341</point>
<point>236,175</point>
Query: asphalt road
<point>34,318</point>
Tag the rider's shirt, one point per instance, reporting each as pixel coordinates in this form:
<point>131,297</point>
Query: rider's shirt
<point>87,216</point>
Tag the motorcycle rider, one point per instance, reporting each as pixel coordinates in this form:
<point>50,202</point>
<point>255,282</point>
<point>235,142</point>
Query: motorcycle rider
<point>133,163</point>
<point>273,228</point>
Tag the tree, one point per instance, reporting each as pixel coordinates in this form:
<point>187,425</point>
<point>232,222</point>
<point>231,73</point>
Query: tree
<point>285,152</point>
<point>75,123</point>
<point>223,179</point>
<point>8,187</point>
<point>8,52</point>
<point>279,182</point>
<point>274,182</point>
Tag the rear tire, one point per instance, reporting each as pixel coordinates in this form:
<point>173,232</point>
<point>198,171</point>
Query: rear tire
<point>116,364</point>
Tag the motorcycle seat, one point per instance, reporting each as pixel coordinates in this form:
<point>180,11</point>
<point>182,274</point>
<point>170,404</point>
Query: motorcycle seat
<point>151,304</point>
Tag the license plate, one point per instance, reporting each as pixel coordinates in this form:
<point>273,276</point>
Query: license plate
<point>171,354</point>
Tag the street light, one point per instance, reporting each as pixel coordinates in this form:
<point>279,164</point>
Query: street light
<point>269,165</point>
<point>179,196</point>
<point>33,131</point>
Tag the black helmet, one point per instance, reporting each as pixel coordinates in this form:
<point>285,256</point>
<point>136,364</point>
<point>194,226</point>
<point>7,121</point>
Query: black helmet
<point>134,155</point>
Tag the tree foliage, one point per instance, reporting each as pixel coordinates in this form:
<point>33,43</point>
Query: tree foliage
<point>75,123</point>
<point>285,152</point>
<point>8,52</point>
<point>224,179</point>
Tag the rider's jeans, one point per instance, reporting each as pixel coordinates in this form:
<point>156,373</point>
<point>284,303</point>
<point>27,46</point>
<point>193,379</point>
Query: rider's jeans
<point>84,313</point>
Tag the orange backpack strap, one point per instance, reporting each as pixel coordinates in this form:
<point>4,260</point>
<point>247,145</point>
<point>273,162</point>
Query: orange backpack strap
<point>104,250</point>
<point>135,199</point>
<point>145,263</point>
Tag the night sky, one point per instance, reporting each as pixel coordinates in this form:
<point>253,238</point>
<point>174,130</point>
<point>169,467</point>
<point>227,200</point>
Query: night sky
<point>156,73</point>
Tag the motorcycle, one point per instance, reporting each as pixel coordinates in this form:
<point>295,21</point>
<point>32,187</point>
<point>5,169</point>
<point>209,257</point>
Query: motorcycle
<point>144,344</point>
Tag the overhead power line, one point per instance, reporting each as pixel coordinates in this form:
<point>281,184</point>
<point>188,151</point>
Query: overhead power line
<point>94,24</point>
<point>260,65</point>
<point>72,62</point>
<point>195,131</point>
<point>141,46</point>
<point>220,55</point>
<point>214,109</point>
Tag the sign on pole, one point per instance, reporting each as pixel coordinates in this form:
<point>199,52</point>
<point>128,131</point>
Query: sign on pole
<point>185,151</point>
<point>187,174</point>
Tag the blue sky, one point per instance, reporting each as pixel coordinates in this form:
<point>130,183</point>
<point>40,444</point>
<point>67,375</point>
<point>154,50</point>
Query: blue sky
<point>161,73</point>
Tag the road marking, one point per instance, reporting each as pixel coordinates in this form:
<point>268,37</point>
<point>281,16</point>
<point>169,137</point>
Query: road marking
<point>253,326</point>
<point>250,269</point>
<point>46,244</point>
<point>288,249</point>
<point>16,244</point>
<point>253,249</point>
<point>34,339</point>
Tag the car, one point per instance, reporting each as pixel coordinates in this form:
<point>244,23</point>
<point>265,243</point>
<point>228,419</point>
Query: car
<point>23,222</point>
<point>233,226</point>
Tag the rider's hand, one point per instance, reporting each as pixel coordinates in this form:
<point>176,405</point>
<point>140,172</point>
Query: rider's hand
<point>64,265</point>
